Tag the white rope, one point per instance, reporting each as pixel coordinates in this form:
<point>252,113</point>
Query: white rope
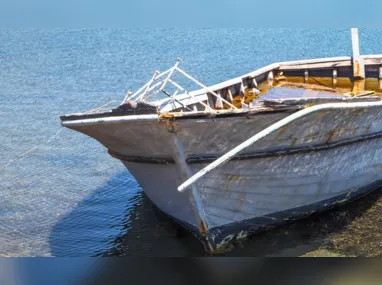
<point>21,156</point>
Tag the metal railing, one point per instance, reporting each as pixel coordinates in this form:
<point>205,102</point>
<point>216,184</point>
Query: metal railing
<point>155,86</point>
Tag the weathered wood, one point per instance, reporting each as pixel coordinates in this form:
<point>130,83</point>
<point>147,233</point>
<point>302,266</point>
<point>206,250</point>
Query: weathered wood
<point>317,100</point>
<point>366,94</point>
<point>254,82</point>
<point>358,62</point>
<point>242,89</point>
<point>306,76</point>
<point>229,95</point>
<point>208,89</point>
<point>308,86</point>
<point>242,93</point>
<point>246,83</point>
<point>219,101</point>
<point>316,60</point>
<point>335,76</point>
<point>322,65</point>
<point>328,64</point>
<point>358,87</point>
<point>271,130</point>
<point>294,65</point>
<point>180,158</point>
<point>270,78</point>
<point>372,62</point>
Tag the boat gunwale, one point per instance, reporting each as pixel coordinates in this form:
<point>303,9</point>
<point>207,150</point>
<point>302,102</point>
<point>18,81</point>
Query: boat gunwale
<point>130,118</point>
<point>294,65</point>
<point>201,92</point>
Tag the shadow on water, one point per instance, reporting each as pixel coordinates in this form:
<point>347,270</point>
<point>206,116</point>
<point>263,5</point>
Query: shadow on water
<point>294,239</point>
<point>315,232</point>
<point>119,220</point>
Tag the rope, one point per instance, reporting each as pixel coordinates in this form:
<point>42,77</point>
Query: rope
<point>18,158</point>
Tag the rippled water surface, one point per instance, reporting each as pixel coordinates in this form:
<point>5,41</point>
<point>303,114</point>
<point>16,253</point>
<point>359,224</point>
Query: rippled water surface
<point>65,196</point>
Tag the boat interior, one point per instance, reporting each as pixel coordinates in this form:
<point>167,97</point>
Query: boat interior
<point>279,87</point>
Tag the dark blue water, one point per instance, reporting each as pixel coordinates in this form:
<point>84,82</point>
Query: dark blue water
<point>68,197</point>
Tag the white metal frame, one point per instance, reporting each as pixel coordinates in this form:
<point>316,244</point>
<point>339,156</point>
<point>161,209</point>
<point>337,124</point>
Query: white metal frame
<point>154,83</point>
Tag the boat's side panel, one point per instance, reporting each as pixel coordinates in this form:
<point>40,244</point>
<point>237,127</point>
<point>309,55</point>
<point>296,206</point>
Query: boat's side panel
<point>133,138</point>
<point>159,182</point>
<point>243,189</point>
<point>244,196</point>
<point>255,187</point>
<point>153,139</point>
<point>214,137</point>
<point>207,137</point>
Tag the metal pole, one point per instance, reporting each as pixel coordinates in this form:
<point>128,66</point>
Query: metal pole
<point>170,74</point>
<point>204,87</point>
<point>149,85</point>
<point>358,62</point>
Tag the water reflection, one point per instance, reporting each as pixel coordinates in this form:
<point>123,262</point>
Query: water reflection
<point>151,233</point>
<point>92,225</point>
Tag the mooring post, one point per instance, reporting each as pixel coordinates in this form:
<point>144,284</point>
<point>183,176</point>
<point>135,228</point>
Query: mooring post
<point>358,63</point>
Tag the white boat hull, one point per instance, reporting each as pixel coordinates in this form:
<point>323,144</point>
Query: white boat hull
<point>323,159</point>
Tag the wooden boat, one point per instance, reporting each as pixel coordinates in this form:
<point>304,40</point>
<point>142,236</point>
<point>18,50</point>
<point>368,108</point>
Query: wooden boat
<point>253,152</point>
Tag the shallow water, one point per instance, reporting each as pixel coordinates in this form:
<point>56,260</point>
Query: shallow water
<point>68,197</point>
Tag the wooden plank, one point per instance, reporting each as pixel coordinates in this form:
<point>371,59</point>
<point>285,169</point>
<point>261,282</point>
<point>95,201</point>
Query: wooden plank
<point>308,86</point>
<point>316,60</point>
<point>242,93</point>
<point>270,78</point>
<point>372,56</point>
<point>306,76</point>
<point>219,102</point>
<point>358,62</point>
<point>293,65</point>
<point>317,100</point>
<point>330,64</point>
<point>229,95</point>
<point>242,89</point>
<point>245,83</point>
<point>358,88</point>
<point>335,76</point>
<point>254,82</point>
<point>322,65</point>
<point>372,61</point>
